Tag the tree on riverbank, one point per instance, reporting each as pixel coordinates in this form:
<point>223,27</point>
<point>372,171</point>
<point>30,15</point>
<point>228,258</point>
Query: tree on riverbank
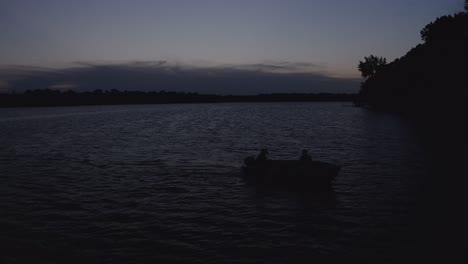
<point>431,77</point>
<point>371,65</point>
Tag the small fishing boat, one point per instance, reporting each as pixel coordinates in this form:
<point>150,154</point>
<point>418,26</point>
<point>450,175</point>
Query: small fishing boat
<point>290,173</point>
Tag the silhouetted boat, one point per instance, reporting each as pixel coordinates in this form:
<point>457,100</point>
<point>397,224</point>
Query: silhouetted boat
<point>290,173</point>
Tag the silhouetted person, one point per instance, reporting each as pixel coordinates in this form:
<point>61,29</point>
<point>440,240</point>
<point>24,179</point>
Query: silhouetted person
<point>305,156</point>
<point>263,155</point>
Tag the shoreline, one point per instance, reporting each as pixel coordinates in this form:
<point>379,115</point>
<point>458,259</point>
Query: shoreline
<point>50,98</point>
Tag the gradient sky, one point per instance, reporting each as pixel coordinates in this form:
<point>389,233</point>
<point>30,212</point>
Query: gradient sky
<point>333,35</point>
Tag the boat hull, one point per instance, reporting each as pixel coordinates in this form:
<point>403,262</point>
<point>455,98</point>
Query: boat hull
<point>291,173</point>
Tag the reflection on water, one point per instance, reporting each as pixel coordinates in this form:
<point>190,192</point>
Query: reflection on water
<point>134,184</point>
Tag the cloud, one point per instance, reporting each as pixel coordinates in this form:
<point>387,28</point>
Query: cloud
<point>4,85</point>
<point>271,77</point>
<point>282,67</point>
<point>63,86</point>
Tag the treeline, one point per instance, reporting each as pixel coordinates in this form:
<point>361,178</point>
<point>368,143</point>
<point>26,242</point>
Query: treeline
<point>49,97</point>
<point>430,79</point>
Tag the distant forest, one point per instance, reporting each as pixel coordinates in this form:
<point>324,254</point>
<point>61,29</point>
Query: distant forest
<point>431,79</point>
<point>50,97</point>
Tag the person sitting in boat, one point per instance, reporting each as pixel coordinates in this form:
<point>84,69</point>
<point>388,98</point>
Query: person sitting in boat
<point>263,155</point>
<point>305,156</point>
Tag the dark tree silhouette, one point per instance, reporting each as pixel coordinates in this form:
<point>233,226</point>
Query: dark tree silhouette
<point>371,65</point>
<point>430,80</point>
<point>466,5</point>
<point>445,29</point>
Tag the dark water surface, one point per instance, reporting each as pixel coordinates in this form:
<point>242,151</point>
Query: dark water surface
<point>160,184</point>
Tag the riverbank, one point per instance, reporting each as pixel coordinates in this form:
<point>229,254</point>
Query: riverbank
<point>114,97</point>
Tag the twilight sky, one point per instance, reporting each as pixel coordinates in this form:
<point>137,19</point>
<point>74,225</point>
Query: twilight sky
<point>323,37</point>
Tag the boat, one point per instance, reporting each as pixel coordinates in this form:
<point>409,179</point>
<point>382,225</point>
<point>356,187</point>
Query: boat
<point>290,173</point>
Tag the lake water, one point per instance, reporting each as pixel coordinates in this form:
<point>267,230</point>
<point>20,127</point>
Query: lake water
<point>161,184</point>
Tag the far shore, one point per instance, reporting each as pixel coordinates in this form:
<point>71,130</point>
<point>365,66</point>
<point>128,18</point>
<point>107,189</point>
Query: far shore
<point>69,98</point>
